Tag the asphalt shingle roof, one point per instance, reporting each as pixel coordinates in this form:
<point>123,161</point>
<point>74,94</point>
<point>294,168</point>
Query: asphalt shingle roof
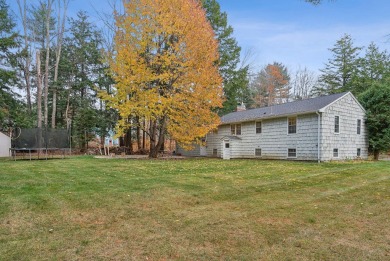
<point>289,108</point>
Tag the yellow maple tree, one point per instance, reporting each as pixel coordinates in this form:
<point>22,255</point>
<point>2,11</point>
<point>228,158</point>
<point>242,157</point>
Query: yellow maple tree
<point>165,69</point>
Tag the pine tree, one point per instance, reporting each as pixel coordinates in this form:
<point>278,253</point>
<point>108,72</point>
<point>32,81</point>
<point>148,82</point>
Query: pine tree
<point>235,79</point>
<point>9,106</point>
<point>339,70</point>
<point>8,41</point>
<point>373,67</point>
<point>82,71</point>
<point>376,101</point>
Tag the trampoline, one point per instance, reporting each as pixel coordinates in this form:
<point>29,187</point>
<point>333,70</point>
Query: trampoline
<point>40,141</point>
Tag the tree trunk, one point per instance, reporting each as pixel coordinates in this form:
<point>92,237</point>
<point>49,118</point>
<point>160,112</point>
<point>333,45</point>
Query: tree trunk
<point>153,152</point>
<point>60,34</point>
<point>28,87</point>
<point>67,118</point>
<point>46,94</point>
<point>376,155</point>
<point>26,69</point>
<point>144,135</point>
<point>138,133</point>
<point>128,141</point>
<point>39,90</point>
<point>54,108</point>
<point>156,142</point>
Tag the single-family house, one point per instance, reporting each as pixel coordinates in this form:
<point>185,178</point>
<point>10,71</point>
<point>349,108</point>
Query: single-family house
<point>323,128</point>
<point>5,145</point>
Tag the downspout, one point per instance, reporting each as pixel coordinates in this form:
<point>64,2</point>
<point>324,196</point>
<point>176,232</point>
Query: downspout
<point>319,138</point>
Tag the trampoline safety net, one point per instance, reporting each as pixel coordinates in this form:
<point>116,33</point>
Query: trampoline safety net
<point>38,138</point>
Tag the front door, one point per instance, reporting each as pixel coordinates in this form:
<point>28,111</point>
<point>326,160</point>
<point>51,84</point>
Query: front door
<point>226,150</point>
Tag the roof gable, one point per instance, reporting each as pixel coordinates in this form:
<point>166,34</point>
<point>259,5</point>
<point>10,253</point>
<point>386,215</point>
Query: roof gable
<point>290,108</point>
<point>348,93</point>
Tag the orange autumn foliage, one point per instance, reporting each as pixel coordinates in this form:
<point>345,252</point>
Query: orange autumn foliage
<point>271,86</point>
<point>164,66</point>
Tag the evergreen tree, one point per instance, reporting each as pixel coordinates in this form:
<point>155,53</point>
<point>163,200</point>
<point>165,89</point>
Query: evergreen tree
<point>373,67</point>
<point>82,71</point>
<point>12,111</point>
<point>8,41</point>
<point>339,70</point>
<point>235,79</point>
<point>376,101</point>
<point>37,23</point>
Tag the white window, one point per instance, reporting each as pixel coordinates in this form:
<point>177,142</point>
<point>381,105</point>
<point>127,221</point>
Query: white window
<point>358,152</point>
<point>359,126</point>
<point>235,129</point>
<point>292,153</point>
<point>258,152</point>
<point>292,125</point>
<point>335,153</point>
<point>238,129</point>
<point>258,127</point>
<point>336,124</point>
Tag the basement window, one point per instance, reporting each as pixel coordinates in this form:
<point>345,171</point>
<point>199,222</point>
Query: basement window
<point>258,152</point>
<point>292,153</point>
<point>215,152</point>
<point>335,153</point>
<point>358,152</point>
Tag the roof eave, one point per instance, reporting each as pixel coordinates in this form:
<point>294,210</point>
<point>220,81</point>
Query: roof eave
<point>271,117</point>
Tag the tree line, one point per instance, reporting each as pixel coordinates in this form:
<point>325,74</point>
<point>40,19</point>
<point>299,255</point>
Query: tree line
<point>151,76</point>
<point>55,69</point>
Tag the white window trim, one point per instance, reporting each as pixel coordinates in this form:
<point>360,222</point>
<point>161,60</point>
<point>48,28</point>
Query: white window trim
<point>231,125</point>
<point>296,125</point>
<point>240,129</point>
<point>261,126</point>
<point>235,129</point>
<point>292,157</point>
<point>334,124</point>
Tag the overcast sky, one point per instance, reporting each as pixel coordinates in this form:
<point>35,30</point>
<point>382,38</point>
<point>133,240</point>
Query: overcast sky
<point>292,32</point>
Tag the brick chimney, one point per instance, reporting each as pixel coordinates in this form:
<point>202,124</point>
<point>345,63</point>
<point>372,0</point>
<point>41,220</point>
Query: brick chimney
<point>241,107</point>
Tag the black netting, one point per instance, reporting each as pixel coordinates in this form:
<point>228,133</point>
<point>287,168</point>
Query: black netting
<point>40,138</point>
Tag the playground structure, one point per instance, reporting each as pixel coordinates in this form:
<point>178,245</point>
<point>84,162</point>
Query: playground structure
<point>39,143</point>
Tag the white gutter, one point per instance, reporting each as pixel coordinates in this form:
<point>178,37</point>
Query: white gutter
<point>319,137</point>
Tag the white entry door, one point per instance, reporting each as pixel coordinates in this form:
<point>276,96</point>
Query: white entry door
<point>226,150</point>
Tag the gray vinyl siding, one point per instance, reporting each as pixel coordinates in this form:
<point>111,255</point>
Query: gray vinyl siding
<point>274,141</point>
<point>347,141</point>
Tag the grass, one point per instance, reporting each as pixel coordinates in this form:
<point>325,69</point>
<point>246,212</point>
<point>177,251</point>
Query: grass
<point>197,209</point>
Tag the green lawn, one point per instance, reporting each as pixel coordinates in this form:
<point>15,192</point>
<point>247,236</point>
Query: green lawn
<point>197,209</point>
